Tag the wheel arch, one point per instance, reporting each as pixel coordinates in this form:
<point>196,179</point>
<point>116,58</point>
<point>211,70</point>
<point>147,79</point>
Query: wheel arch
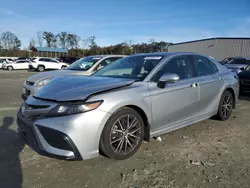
<point>10,66</point>
<point>144,118</point>
<point>41,65</point>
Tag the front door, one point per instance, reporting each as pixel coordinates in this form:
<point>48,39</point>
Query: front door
<point>177,101</point>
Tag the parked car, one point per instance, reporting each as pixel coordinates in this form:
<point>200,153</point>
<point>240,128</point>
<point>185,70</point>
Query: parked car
<point>244,79</point>
<point>235,63</point>
<point>133,99</point>
<point>68,60</point>
<point>17,65</point>
<point>84,66</point>
<point>44,63</point>
<point>1,63</point>
<point>21,58</point>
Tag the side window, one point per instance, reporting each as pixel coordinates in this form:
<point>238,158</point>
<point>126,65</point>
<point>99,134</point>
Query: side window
<point>20,62</point>
<point>52,60</point>
<point>247,62</point>
<point>238,61</point>
<point>203,66</point>
<point>181,66</point>
<point>110,60</point>
<point>42,59</point>
<point>105,62</point>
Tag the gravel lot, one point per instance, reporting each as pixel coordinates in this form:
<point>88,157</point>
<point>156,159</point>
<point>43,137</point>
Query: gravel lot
<point>207,154</point>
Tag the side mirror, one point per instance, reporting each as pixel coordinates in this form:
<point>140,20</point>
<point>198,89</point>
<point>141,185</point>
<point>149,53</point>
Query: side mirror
<point>240,70</point>
<point>168,78</point>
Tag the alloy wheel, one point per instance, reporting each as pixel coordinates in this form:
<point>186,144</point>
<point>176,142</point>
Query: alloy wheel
<point>125,135</point>
<point>227,104</point>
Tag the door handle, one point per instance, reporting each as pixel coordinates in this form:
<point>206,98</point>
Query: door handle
<point>194,85</point>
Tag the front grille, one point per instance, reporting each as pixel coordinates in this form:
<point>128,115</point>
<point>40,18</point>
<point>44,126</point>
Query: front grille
<point>31,107</point>
<point>30,83</point>
<point>246,82</point>
<point>34,112</point>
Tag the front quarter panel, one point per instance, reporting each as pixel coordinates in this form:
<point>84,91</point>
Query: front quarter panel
<point>136,94</point>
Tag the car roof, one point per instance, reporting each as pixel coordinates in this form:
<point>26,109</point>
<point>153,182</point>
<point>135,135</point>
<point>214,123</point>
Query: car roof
<point>166,54</point>
<point>106,55</point>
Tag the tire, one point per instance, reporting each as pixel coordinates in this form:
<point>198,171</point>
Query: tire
<point>226,101</point>
<point>40,68</point>
<point>130,138</point>
<point>10,68</point>
<point>63,67</point>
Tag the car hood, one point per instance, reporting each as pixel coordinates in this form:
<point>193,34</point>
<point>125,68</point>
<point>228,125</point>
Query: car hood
<point>49,74</point>
<point>244,75</point>
<point>72,88</point>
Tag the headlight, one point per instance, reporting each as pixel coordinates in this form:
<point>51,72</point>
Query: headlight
<point>44,81</point>
<point>69,109</point>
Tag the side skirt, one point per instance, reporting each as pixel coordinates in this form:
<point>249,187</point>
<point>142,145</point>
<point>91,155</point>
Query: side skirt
<point>173,127</point>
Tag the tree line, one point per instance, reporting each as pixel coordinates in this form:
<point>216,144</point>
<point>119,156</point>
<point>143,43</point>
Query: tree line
<point>10,44</point>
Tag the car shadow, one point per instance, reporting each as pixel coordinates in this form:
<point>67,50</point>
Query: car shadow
<point>10,147</point>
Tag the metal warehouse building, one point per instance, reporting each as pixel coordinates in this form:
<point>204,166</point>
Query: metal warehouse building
<point>219,48</point>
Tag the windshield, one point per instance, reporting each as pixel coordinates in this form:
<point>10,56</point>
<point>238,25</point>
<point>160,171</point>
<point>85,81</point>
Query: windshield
<point>83,64</point>
<point>247,68</point>
<point>225,61</point>
<point>133,67</point>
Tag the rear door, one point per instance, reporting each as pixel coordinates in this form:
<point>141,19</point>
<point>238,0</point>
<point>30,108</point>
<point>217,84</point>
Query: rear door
<point>19,64</point>
<point>209,84</point>
<point>53,64</point>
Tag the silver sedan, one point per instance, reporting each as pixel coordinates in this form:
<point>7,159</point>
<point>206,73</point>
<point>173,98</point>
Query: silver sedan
<point>133,99</point>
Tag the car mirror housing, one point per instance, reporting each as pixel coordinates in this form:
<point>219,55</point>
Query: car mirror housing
<point>168,78</point>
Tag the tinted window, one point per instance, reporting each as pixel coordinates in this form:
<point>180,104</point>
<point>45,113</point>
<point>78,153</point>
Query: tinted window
<point>247,62</point>
<point>52,60</point>
<point>203,66</point>
<point>20,62</point>
<point>238,61</point>
<point>42,59</point>
<point>106,62</point>
<point>178,65</point>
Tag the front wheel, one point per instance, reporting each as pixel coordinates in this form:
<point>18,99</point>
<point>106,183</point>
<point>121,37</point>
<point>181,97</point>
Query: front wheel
<point>10,68</point>
<point>63,67</point>
<point>123,134</point>
<point>40,68</point>
<point>225,106</point>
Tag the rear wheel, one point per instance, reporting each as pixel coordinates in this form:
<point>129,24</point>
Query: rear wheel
<point>225,106</point>
<point>122,135</point>
<point>40,68</point>
<point>10,68</point>
<point>63,67</point>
